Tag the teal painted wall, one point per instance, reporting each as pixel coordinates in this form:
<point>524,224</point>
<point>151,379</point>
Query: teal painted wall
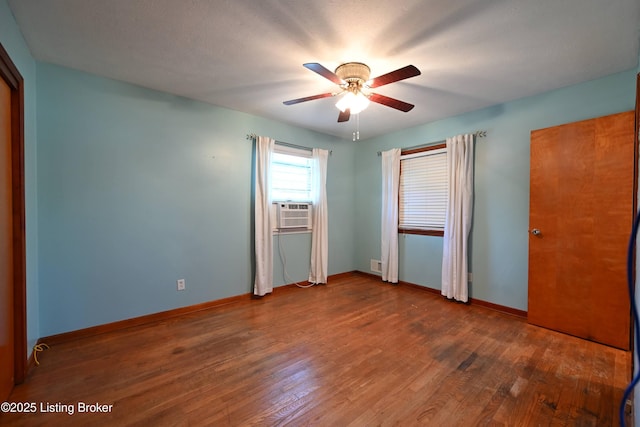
<point>499,238</point>
<point>129,189</point>
<point>139,188</point>
<point>13,42</point>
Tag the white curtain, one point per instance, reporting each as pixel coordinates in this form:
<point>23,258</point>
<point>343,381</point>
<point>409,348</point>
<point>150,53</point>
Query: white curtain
<point>455,282</point>
<point>320,233</point>
<point>390,188</point>
<point>263,234</point>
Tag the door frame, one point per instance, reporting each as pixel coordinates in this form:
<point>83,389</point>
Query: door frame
<point>10,74</point>
<point>635,146</point>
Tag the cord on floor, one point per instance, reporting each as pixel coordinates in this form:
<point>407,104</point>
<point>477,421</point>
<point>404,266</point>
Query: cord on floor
<point>284,267</point>
<point>38,348</point>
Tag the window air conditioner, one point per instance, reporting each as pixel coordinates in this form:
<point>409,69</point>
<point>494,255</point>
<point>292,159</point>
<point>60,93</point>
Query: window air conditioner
<point>294,215</point>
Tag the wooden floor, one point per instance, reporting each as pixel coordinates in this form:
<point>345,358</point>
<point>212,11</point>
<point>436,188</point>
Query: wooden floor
<point>356,352</point>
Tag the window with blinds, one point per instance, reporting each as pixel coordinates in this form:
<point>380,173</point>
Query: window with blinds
<point>424,191</point>
<point>290,175</point>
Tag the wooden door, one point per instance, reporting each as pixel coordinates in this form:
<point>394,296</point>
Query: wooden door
<point>580,217</point>
<point>6,247</point>
<point>13,336</point>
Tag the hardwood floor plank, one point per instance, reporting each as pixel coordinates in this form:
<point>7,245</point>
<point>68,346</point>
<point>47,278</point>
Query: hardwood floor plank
<point>355,352</point>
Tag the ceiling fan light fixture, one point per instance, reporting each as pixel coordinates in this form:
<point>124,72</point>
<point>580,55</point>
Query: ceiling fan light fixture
<point>354,102</point>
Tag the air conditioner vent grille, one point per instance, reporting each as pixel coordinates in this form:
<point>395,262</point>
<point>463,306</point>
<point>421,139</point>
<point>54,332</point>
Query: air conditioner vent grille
<point>294,215</point>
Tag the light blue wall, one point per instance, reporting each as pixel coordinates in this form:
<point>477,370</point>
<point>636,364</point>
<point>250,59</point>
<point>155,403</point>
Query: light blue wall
<point>13,42</point>
<point>499,240</point>
<point>130,189</point>
<point>138,189</point>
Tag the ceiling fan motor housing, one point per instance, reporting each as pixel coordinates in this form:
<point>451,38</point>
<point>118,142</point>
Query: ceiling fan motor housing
<point>354,72</point>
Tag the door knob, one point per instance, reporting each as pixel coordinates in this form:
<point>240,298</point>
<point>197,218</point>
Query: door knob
<point>536,232</point>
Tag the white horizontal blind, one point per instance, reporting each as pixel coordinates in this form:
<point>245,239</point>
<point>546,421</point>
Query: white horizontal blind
<point>424,190</point>
<point>290,176</point>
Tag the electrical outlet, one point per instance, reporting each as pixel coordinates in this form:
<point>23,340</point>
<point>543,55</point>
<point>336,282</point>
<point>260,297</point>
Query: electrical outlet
<point>181,284</point>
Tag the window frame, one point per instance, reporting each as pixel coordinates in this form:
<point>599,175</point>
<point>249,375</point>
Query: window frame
<point>419,231</point>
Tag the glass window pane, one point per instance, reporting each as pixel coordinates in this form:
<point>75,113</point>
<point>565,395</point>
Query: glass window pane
<point>290,177</point>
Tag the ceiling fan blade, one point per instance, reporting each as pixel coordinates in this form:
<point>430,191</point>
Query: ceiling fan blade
<point>394,76</point>
<point>391,102</point>
<point>344,115</point>
<point>308,98</point>
<point>327,74</point>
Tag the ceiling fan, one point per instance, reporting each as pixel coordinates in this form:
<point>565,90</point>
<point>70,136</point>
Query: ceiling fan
<point>354,82</point>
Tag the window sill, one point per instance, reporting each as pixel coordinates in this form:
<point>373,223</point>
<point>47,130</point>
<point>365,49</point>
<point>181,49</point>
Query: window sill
<point>421,232</point>
<point>291,231</point>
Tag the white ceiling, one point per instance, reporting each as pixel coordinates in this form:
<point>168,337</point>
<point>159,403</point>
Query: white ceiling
<point>247,55</point>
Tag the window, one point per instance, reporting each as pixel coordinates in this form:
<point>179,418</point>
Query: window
<point>424,191</point>
<point>290,175</point>
<point>290,182</point>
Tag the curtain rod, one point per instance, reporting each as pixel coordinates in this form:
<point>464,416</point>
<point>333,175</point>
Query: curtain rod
<point>253,136</point>
<point>478,133</point>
